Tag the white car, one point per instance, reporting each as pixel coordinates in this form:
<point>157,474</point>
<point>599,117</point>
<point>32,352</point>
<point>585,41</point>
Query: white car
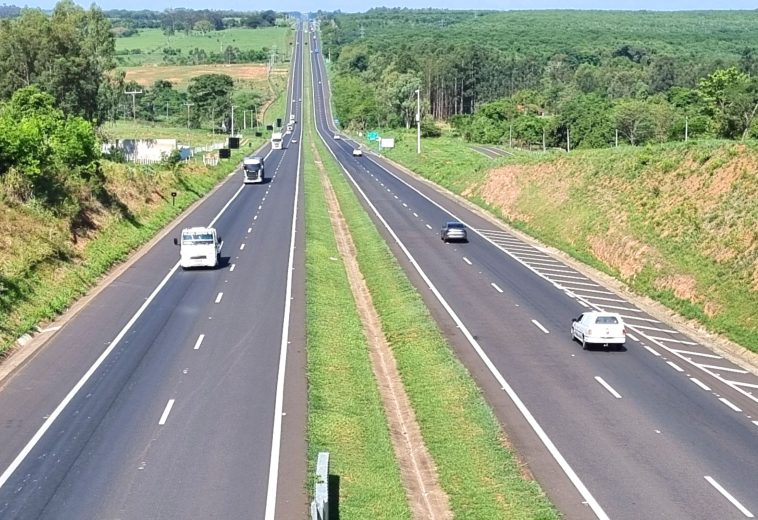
<point>357,152</point>
<point>337,137</point>
<point>598,328</point>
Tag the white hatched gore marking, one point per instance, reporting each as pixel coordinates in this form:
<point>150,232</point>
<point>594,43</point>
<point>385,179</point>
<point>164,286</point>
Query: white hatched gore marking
<point>200,339</point>
<point>166,411</point>
<point>700,384</point>
<point>467,260</point>
<point>675,366</point>
<point>730,404</point>
<point>494,286</point>
<point>746,385</point>
<point>218,298</point>
<point>627,309</point>
<point>608,387</point>
<point>580,290</point>
<point>645,327</point>
<point>691,353</point>
<point>670,340</point>
<point>638,318</point>
<point>601,299</point>
<point>729,497</point>
<point>539,326</point>
<point>583,304</point>
<point>724,369</point>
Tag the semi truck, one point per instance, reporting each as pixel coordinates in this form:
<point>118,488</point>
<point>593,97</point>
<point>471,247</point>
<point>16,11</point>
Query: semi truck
<point>199,247</point>
<point>276,141</point>
<point>253,169</point>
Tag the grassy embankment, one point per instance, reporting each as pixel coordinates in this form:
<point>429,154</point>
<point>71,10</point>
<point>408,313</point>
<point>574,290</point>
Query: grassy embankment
<point>481,477</point>
<point>676,222</point>
<point>152,42</point>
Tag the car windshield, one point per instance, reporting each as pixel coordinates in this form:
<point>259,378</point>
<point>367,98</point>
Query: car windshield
<point>606,320</point>
<point>197,238</point>
<point>454,225</point>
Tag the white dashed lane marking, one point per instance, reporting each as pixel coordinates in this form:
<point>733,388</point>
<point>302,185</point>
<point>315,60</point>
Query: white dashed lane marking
<point>166,411</point>
<point>199,341</point>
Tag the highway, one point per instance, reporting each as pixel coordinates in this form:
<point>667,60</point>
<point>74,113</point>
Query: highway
<point>665,428</point>
<point>165,396</point>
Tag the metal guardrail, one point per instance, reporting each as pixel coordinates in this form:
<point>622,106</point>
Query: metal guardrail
<point>320,504</point>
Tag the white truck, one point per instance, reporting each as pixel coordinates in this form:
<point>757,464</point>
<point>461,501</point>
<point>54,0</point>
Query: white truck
<point>199,247</point>
<point>276,141</point>
<point>253,169</point>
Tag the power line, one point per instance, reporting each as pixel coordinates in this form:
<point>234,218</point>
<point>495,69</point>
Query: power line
<point>133,93</point>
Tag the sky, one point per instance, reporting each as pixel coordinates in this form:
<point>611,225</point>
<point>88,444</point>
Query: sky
<point>364,5</point>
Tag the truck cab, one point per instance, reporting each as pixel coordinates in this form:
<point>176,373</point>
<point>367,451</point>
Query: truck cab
<point>276,141</point>
<point>253,169</point>
<point>199,247</point>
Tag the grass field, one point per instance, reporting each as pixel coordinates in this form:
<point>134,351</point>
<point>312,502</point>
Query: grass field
<point>151,42</point>
<point>180,75</point>
<point>681,228</point>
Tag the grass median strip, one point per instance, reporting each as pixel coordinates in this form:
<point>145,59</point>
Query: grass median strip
<point>480,475</point>
<point>345,412</point>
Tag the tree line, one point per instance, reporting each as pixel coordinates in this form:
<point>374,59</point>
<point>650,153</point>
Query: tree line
<point>574,77</point>
<point>172,21</point>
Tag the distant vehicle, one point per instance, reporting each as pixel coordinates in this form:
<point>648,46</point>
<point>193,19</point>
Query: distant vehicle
<point>337,137</point>
<point>294,140</point>
<point>292,119</point>
<point>357,152</point>
<point>276,141</point>
<point>199,247</point>
<point>598,328</point>
<point>289,127</point>
<point>454,231</point>
<point>253,169</point>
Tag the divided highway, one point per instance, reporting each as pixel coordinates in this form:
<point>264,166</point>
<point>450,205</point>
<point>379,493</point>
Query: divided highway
<point>163,397</point>
<point>663,429</point>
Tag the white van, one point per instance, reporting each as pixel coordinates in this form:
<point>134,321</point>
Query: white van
<point>199,247</point>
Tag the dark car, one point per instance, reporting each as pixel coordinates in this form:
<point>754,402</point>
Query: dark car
<point>454,231</point>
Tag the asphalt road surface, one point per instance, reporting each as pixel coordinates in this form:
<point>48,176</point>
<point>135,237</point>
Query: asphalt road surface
<point>164,397</point>
<point>664,428</point>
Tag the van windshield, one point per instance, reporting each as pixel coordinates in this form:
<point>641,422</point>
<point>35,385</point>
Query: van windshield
<point>191,239</point>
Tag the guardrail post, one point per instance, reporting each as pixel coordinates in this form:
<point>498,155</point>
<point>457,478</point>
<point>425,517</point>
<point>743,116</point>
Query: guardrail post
<point>320,504</point>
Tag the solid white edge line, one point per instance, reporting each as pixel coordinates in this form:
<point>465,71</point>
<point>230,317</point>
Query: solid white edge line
<point>494,286</point>
<point>467,261</point>
<point>276,434</point>
<point>608,387</point>
<point>218,298</point>
<point>199,341</point>
<point>729,497</point>
<point>539,326</point>
<point>166,411</point>
<point>72,393</point>
<point>552,449</point>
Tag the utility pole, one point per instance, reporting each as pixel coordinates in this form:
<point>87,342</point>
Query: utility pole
<point>418,120</point>
<point>686,128</point>
<point>568,139</point>
<point>617,138</point>
<point>188,105</point>
<point>233,120</point>
<point>133,93</point>
<point>213,120</point>
<point>166,110</point>
<point>510,136</point>
<point>244,119</point>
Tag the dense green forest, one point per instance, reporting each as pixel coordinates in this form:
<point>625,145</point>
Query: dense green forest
<point>576,77</point>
